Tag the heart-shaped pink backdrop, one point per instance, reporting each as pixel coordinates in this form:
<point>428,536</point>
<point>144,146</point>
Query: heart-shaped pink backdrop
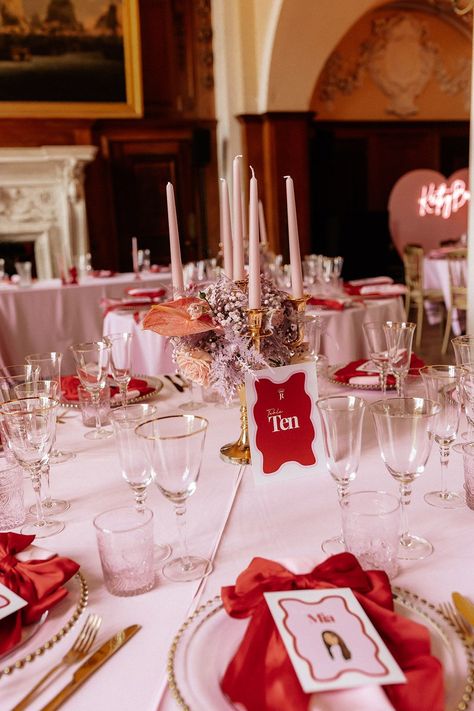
<point>406,224</point>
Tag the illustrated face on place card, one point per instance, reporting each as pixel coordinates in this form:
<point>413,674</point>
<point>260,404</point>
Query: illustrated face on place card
<point>9,602</point>
<point>285,436</point>
<point>330,640</point>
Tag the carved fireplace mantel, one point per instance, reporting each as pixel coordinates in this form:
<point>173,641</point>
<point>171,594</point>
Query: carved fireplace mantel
<point>42,200</point>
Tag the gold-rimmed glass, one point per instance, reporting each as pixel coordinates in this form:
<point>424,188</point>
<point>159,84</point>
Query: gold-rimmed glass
<point>399,336</point>
<point>174,446</point>
<point>120,360</point>
<point>29,426</point>
<point>92,365</point>
<point>463,347</point>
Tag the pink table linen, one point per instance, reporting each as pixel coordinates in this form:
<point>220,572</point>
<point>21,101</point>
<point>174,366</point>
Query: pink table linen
<point>343,339</point>
<point>50,317</point>
<point>284,520</point>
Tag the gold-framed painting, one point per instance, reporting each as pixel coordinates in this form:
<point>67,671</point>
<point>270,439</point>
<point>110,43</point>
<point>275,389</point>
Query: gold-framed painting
<point>70,59</point>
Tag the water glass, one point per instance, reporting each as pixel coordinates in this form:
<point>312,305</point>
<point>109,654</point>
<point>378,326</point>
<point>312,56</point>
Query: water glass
<point>92,365</point>
<point>12,508</point>
<point>371,528</point>
<point>399,335</point>
<point>89,409</point>
<point>23,270</point>
<point>468,460</point>
<point>378,350</point>
<point>125,542</point>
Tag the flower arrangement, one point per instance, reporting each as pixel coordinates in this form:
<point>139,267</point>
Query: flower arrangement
<point>210,337</point>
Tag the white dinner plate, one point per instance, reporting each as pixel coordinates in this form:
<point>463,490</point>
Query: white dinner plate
<point>196,662</point>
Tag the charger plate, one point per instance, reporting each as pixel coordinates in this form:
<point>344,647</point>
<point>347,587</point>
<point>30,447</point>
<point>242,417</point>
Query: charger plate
<point>152,382</point>
<point>194,683</point>
<point>354,386</point>
<point>51,628</point>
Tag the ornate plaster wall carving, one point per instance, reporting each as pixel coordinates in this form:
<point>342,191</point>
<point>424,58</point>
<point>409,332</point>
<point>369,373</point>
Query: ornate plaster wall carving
<point>400,59</point>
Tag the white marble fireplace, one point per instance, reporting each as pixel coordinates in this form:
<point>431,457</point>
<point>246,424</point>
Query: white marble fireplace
<point>42,201</point>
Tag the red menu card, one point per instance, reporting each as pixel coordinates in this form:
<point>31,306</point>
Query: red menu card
<point>284,429</point>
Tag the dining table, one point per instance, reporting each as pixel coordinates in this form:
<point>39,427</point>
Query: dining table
<point>49,316</point>
<point>238,519</point>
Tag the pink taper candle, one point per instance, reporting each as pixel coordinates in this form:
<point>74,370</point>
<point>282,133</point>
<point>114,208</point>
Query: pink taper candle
<point>238,240</point>
<point>135,254</point>
<point>254,247</point>
<point>294,240</point>
<point>175,249</point>
<point>226,231</point>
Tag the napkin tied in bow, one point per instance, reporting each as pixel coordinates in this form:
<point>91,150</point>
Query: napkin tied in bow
<point>261,676</point>
<point>39,582</point>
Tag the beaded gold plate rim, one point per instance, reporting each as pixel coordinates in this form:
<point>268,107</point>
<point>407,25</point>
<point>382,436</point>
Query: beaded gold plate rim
<point>152,381</point>
<point>406,598</point>
<point>78,610</point>
<point>353,386</point>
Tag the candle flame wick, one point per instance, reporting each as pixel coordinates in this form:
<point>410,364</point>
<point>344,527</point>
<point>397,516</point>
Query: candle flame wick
<point>253,172</point>
<point>285,177</point>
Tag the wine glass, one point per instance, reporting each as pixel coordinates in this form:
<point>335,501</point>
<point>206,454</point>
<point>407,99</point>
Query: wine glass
<point>399,337</point>
<point>464,353</point>
<point>92,365</point>
<point>378,350</point>
<point>10,377</point>
<point>443,384</point>
<point>195,403</point>
<point>174,445</point>
<point>120,360</point>
<point>45,388</point>
<point>49,365</point>
<point>29,426</point>
<point>404,427</point>
<point>341,419</point>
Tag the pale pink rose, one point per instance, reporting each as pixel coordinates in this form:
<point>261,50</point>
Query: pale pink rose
<point>195,365</point>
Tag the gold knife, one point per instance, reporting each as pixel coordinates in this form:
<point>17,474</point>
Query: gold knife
<point>464,606</point>
<point>91,665</point>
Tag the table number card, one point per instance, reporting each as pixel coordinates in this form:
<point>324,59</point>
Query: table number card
<point>330,640</point>
<point>9,602</point>
<point>284,428</point>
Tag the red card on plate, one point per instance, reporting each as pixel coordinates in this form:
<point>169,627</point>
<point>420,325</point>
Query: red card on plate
<point>285,435</point>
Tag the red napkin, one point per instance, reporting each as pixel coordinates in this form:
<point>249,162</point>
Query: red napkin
<point>375,291</point>
<point>261,675</point>
<point>128,304</point>
<point>146,293</point>
<point>37,581</point>
<point>103,273</point>
<point>328,303</point>
<point>70,383</point>
<point>351,370</point>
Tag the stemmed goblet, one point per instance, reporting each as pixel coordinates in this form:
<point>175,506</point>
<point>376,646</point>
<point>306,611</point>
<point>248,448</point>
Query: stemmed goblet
<point>404,428</point>
<point>341,419</point>
<point>378,349</point>
<point>174,445</point>
<point>49,365</point>
<point>443,384</point>
<point>29,426</point>
<point>463,347</point>
<point>92,366</point>
<point>45,388</point>
<point>399,337</point>
<point>10,377</point>
<point>120,360</point>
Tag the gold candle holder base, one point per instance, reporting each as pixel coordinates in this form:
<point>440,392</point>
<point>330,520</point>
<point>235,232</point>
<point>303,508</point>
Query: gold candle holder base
<point>299,305</point>
<point>239,452</point>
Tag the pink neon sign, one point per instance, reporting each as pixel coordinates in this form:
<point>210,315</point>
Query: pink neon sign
<point>442,201</point>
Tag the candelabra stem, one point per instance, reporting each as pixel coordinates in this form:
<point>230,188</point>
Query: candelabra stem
<point>239,452</point>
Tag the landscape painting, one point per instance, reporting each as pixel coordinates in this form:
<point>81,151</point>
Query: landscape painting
<point>70,57</point>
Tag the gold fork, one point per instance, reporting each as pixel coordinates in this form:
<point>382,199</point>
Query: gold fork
<point>458,622</point>
<point>78,651</point>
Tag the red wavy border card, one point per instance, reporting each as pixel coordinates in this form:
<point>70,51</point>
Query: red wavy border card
<point>330,640</point>
<point>284,430</point>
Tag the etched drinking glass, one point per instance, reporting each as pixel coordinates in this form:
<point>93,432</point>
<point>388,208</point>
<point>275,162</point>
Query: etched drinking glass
<point>120,360</point>
<point>92,366</point>
<point>49,365</point>
<point>463,347</point>
<point>399,337</point>
<point>174,445</point>
<point>29,426</point>
<point>341,419</point>
<point>443,384</point>
<point>405,433</point>
<point>45,388</point>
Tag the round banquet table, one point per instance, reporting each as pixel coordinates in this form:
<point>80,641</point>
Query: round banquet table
<point>50,317</point>
<point>279,519</point>
<point>343,338</point>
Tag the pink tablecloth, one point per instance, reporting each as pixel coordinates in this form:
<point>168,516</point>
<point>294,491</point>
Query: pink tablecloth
<point>285,519</point>
<point>343,339</point>
<point>50,317</point>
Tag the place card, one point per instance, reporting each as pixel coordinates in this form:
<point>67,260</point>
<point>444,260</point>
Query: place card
<point>284,428</point>
<point>9,602</point>
<point>331,642</point>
